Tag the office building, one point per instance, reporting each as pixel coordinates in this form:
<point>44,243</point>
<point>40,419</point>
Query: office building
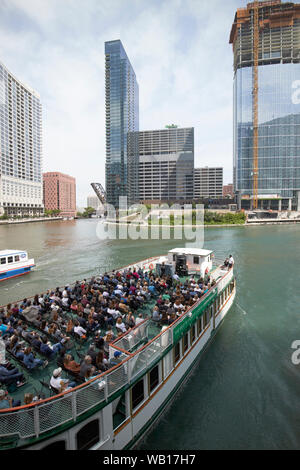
<point>93,201</point>
<point>208,183</point>
<point>265,37</point>
<point>21,190</point>
<point>122,116</point>
<point>60,193</point>
<point>166,164</point>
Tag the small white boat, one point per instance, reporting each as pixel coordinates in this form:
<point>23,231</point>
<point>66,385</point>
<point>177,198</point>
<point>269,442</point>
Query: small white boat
<point>14,263</point>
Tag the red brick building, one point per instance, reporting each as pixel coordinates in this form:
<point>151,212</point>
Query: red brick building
<point>60,193</point>
<point>228,190</point>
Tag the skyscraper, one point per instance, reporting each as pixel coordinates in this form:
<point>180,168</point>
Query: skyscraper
<point>266,47</point>
<point>21,190</point>
<point>122,116</point>
<point>166,163</point>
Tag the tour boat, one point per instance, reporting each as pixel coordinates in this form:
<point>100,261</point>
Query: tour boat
<point>116,409</point>
<point>14,263</point>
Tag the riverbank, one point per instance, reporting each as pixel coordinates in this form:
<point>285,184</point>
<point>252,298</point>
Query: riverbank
<point>30,221</point>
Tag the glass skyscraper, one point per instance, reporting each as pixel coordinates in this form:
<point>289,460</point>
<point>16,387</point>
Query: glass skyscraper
<point>278,104</point>
<point>122,117</point>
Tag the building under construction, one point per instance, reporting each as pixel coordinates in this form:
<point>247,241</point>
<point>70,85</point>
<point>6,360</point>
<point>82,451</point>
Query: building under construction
<point>266,46</point>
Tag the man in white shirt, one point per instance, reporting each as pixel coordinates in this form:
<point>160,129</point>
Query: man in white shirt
<point>79,330</point>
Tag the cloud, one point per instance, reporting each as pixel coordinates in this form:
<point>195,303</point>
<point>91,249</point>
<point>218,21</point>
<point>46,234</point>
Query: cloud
<point>180,53</point>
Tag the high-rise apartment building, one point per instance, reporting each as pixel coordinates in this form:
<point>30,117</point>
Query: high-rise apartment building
<point>21,190</point>
<point>208,183</point>
<point>60,193</point>
<point>122,116</point>
<point>166,164</point>
<point>266,46</point>
<point>93,201</point>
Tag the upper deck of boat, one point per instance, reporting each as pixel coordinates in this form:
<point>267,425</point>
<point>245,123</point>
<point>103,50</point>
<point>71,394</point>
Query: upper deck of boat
<point>37,381</point>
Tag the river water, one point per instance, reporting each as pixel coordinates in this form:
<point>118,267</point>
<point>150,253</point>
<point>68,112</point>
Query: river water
<point>244,392</point>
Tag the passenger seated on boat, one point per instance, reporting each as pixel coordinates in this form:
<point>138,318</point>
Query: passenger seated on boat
<point>156,315</point>
<point>31,362</point>
<point>3,328</point>
<point>120,326</point>
<point>85,365</point>
<point>129,320</point>
<point>71,365</point>
<point>30,312</point>
<point>115,360</point>
<point>139,319</point>
<point>10,376</point>
<point>108,338</point>
<point>78,330</point>
<point>59,384</point>
<point>49,350</point>
<point>6,402</point>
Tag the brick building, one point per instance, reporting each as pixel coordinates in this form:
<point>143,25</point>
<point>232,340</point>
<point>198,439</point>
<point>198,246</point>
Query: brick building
<point>60,193</point>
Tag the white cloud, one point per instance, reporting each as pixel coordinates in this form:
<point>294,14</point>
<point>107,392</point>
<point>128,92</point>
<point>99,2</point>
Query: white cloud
<point>179,50</point>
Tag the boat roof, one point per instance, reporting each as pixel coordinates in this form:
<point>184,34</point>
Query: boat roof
<point>11,252</point>
<point>191,251</point>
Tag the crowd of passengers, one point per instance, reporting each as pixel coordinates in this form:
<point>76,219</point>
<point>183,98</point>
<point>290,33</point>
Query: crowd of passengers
<point>102,309</point>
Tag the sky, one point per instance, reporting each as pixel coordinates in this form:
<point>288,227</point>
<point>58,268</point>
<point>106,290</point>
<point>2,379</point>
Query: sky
<point>179,50</point>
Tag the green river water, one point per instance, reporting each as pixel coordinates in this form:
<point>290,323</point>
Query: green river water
<point>244,392</point>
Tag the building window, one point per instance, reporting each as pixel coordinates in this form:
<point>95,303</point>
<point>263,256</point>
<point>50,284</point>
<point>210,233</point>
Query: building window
<point>88,436</point>
<point>154,378</point>
<point>137,394</point>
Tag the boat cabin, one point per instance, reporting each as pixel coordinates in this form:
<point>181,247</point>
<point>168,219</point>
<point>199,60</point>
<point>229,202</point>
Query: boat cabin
<point>12,256</point>
<point>187,261</point>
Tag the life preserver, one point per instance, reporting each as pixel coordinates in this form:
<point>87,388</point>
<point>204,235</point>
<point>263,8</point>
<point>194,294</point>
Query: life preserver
<point>151,266</point>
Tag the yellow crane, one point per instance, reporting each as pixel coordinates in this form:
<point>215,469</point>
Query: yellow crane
<point>255,100</point>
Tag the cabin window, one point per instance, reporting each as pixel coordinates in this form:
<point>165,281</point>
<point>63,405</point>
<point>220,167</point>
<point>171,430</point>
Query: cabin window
<point>196,260</point>
<point>185,342</point>
<point>154,378</point>
<point>3,260</point>
<point>177,352</point>
<point>199,326</point>
<point>10,259</point>
<point>17,258</point>
<point>174,257</point>
<point>88,436</point>
<point>193,333</point>
<point>206,317</point>
<point>137,394</point>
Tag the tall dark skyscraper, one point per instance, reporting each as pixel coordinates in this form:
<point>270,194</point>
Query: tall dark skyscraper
<point>122,116</point>
<point>266,46</point>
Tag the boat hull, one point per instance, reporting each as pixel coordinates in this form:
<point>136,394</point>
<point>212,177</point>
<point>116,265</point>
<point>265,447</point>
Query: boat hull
<point>15,272</point>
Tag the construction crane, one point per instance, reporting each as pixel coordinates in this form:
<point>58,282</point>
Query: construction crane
<point>100,192</point>
<point>255,100</point>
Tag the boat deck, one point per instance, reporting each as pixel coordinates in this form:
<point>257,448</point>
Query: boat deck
<point>37,381</point>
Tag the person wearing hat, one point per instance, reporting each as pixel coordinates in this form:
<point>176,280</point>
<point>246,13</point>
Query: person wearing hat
<point>58,383</point>
<point>116,359</point>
